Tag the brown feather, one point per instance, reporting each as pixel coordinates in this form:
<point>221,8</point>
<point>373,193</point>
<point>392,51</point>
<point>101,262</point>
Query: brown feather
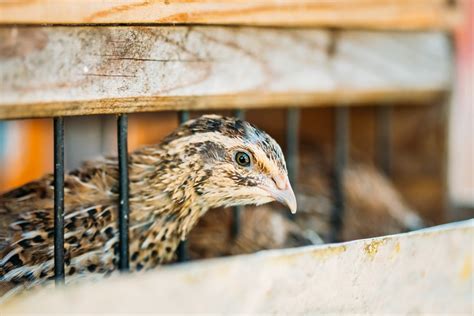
<point>172,184</point>
<point>374,207</point>
<point>261,228</point>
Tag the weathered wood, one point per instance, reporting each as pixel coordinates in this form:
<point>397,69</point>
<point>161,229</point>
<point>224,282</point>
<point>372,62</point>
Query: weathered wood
<point>372,14</point>
<point>242,101</point>
<point>48,71</point>
<point>423,272</point>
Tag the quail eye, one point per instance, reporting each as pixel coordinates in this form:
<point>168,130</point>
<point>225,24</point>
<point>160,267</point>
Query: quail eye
<point>242,159</point>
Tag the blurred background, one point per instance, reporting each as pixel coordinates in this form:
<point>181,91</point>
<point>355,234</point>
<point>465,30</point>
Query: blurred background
<point>428,168</point>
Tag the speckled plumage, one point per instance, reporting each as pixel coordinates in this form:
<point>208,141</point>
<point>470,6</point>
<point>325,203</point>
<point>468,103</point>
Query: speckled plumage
<point>373,207</point>
<point>171,185</point>
<point>261,228</point>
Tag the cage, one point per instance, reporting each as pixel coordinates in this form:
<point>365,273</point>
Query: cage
<point>357,93</point>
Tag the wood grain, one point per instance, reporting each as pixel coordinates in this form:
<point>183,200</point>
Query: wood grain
<point>370,14</point>
<point>46,71</point>
<point>428,270</point>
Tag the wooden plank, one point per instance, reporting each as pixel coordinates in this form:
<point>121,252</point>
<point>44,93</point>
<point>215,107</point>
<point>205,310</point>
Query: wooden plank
<point>49,71</point>
<point>371,14</point>
<point>425,272</point>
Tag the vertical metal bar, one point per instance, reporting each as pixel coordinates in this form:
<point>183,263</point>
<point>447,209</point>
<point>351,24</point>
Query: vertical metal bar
<point>237,210</point>
<point>182,250</point>
<point>183,116</point>
<point>240,114</point>
<point>3,138</point>
<point>383,138</point>
<point>292,146</point>
<point>59,200</point>
<point>340,161</point>
<point>122,133</point>
<point>235,226</point>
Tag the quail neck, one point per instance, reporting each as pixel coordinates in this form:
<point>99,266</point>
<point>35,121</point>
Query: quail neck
<point>208,162</point>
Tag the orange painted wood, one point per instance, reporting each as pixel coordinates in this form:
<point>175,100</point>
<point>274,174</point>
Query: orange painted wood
<point>367,14</point>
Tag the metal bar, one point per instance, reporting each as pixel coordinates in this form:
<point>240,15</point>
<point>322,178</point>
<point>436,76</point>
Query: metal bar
<point>123,210</point>
<point>182,251</point>
<point>240,114</point>
<point>237,210</point>
<point>340,161</point>
<point>59,200</point>
<point>235,225</point>
<point>183,116</point>
<point>3,140</point>
<point>292,147</point>
<point>383,138</point>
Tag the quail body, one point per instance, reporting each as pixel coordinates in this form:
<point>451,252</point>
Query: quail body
<point>261,228</point>
<point>373,207</point>
<point>206,163</point>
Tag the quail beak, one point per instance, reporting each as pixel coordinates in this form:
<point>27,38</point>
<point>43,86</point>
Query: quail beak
<point>286,197</point>
<point>283,193</point>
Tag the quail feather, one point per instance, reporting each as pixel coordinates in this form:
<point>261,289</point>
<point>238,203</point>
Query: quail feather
<point>208,162</point>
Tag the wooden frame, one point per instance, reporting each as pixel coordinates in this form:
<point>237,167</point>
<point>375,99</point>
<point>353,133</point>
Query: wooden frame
<point>49,71</point>
<point>367,14</point>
